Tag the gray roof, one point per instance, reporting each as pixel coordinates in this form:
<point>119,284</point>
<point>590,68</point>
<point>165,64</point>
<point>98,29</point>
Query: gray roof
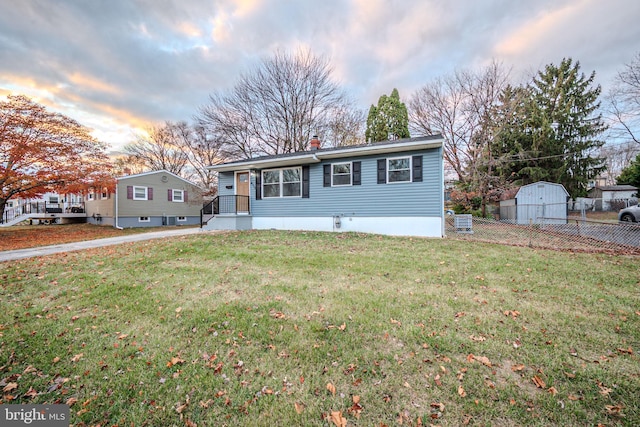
<point>315,156</point>
<point>617,188</point>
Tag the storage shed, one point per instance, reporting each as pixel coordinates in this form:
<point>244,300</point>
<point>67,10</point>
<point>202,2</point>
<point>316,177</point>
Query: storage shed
<point>538,203</point>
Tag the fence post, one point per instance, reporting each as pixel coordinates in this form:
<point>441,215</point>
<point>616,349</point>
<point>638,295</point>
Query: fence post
<point>530,232</point>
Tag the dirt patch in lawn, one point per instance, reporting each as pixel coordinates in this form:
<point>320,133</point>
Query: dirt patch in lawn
<point>31,236</point>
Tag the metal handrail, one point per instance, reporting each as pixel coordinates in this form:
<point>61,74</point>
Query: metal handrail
<point>221,205</point>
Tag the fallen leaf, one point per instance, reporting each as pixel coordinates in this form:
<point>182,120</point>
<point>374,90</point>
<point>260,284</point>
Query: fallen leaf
<point>356,408</point>
<point>10,387</point>
<point>31,393</point>
<point>175,361</point>
<point>77,357</point>
<point>299,407</point>
<point>604,390</point>
<point>517,368</point>
<point>482,359</point>
<point>337,419</point>
<point>626,350</point>
<point>461,392</point>
<point>70,401</point>
<point>331,388</point>
<point>277,314</point>
<point>436,379</point>
<point>538,382</point>
<point>189,423</point>
<point>553,391</point>
<point>615,410</point>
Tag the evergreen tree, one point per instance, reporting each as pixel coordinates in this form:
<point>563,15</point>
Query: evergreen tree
<point>631,174</point>
<point>389,120</point>
<point>552,132</point>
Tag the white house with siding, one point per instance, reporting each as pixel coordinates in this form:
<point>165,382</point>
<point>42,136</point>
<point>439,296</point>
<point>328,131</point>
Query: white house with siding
<point>390,187</point>
<point>606,196</point>
<point>149,199</point>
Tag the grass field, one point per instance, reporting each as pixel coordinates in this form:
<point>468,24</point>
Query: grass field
<point>318,329</point>
<point>31,236</point>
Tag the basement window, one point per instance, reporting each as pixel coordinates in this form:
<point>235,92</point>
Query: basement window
<point>144,219</point>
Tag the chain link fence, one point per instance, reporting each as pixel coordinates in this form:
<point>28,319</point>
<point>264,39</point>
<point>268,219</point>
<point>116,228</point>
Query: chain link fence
<point>573,232</point>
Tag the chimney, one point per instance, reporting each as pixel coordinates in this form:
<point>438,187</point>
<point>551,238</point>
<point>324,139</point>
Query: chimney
<point>315,143</point>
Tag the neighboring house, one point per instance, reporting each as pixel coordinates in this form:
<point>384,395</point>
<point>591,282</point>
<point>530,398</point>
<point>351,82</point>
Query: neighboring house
<point>148,199</point>
<point>613,197</point>
<point>48,208</point>
<point>390,187</point>
<point>538,203</point>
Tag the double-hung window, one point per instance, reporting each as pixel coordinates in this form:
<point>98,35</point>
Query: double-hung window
<point>177,196</point>
<point>282,183</point>
<point>399,169</point>
<point>340,174</point>
<point>139,193</point>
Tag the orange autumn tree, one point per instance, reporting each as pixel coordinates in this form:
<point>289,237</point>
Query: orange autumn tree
<point>42,151</point>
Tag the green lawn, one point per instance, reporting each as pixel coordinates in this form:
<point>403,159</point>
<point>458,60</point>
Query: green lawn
<point>284,328</point>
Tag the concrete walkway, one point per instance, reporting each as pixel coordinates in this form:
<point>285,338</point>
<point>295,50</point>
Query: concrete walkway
<point>98,243</point>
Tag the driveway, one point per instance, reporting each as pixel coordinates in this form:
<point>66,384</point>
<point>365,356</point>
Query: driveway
<point>98,243</point>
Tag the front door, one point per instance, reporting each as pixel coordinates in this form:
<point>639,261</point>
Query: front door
<point>242,191</point>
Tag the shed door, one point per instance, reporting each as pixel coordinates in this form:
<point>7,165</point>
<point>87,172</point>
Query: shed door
<point>242,191</point>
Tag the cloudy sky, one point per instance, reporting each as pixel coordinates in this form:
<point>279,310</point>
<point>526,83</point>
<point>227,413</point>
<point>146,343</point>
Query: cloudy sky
<point>118,66</point>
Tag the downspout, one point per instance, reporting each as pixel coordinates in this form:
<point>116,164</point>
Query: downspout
<point>443,230</point>
<point>116,213</point>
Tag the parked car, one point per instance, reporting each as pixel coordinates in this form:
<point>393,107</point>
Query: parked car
<point>630,214</point>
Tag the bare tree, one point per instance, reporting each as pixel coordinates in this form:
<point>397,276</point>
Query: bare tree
<point>158,150</point>
<point>460,106</point>
<point>201,150</point>
<point>278,106</point>
<point>617,157</point>
<point>624,102</point>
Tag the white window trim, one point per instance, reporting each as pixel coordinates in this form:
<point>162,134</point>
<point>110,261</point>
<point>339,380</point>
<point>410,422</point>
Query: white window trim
<point>144,219</point>
<point>350,174</point>
<point>181,219</point>
<point>281,183</point>
<point>146,193</point>
<point>173,196</point>
<point>91,196</point>
<point>410,169</point>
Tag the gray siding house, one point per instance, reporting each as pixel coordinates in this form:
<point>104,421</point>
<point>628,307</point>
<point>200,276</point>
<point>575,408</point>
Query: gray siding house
<point>390,187</point>
<point>149,199</point>
<point>538,203</point>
